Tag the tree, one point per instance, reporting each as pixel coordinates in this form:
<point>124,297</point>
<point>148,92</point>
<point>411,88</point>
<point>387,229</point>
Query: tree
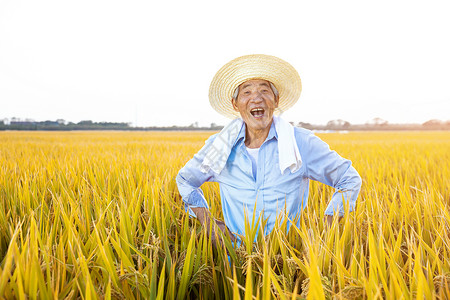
<point>305,125</point>
<point>339,123</point>
<point>377,122</point>
<point>85,122</point>
<point>433,122</point>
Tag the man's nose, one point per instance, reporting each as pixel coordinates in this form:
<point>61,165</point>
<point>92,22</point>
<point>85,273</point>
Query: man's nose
<point>257,97</point>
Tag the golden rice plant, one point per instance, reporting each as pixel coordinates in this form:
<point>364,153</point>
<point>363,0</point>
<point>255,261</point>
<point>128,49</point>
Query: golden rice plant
<point>87,215</point>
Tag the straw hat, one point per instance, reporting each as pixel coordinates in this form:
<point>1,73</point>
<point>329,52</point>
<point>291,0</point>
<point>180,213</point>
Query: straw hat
<point>255,66</point>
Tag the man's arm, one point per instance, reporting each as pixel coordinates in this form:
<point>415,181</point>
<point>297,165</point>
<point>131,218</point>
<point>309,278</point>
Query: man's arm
<point>328,167</point>
<point>189,180</point>
<point>204,216</point>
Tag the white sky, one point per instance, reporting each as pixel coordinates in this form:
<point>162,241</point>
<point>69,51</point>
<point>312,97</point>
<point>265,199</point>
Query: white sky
<point>152,61</point>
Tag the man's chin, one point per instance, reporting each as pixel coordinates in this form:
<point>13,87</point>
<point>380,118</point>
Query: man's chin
<point>256,124</point>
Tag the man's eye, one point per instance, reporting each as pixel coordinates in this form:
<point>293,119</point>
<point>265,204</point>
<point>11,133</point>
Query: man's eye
<point>247,93</point>
<point>265,91</point>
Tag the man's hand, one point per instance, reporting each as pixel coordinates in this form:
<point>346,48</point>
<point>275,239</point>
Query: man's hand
<point>204,217</point>
<point>225,230</point>
<point>329,221</point>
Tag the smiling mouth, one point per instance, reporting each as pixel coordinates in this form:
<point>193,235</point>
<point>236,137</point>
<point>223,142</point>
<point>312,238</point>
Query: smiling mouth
<point>257,112</point>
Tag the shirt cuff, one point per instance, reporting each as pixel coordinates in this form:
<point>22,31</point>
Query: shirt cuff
<point>196,199</point>
<point>337,203</point>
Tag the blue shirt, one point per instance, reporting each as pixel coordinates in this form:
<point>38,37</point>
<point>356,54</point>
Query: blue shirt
<point>271,193</point>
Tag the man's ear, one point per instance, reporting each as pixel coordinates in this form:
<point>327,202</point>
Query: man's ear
<point>277,100</point>
<point>233,102</point>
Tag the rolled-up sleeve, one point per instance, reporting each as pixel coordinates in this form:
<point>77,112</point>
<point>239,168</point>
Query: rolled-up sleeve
<point>190,178</point>
<point>326,166</point>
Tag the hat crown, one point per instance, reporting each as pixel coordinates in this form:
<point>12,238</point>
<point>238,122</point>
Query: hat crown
<point>254,66</point>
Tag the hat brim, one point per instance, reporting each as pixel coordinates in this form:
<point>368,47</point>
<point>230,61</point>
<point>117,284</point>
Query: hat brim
<point>255,66</point>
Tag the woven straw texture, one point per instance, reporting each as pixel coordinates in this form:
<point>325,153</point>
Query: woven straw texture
<point>255,66</point>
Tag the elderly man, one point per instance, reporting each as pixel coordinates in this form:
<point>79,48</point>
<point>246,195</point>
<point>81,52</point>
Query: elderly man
<point>262,163</point>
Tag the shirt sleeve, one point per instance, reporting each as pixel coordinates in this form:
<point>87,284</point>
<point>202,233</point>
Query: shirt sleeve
<point>190,178</point>
<point>328,167</point>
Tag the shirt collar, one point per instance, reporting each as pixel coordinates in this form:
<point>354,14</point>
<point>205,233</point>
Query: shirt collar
<point>241,135</point>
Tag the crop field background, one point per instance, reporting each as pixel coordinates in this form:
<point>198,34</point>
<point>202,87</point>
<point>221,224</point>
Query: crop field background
<point>87,215</point>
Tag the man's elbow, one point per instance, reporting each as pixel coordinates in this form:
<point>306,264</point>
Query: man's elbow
<point>181,178</point>
<point>351,180</point>
<point>182,184</point>
<point>355,187</point>
<point>358,181</point>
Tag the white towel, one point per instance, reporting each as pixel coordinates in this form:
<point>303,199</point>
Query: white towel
<point>288,153</point>
<point>218,151</point>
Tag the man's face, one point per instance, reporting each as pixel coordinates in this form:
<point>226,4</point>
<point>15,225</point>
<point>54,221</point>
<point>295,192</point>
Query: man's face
<point>256,103</point>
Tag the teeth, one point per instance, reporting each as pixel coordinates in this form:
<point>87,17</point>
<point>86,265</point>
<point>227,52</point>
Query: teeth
<point>257,112</point>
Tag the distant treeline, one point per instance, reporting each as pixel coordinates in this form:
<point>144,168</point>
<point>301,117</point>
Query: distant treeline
<point>376,124</point>
<point>90,125</point>
<point>334,125</point>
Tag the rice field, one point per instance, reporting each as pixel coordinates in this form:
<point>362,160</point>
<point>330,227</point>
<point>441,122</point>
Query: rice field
<point>97,215</point>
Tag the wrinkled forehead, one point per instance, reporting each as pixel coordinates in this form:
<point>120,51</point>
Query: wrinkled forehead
<point>254,82</point>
